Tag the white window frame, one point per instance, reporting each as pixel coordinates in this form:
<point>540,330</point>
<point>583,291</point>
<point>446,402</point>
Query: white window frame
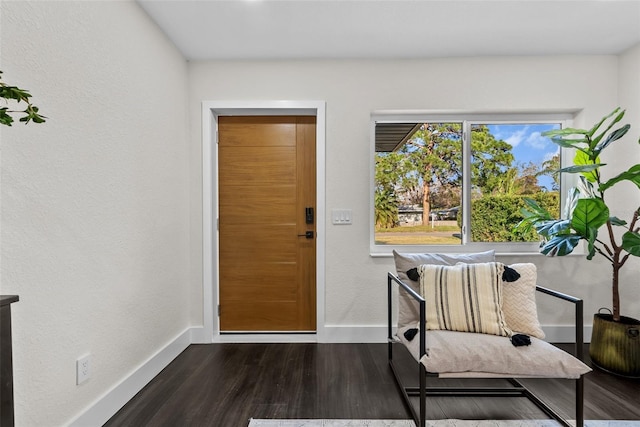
<point>466,118</point>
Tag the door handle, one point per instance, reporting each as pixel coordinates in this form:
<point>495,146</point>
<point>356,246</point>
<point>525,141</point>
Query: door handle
<point>307,234</point>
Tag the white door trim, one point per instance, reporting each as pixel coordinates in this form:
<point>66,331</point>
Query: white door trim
<point>210,246</point>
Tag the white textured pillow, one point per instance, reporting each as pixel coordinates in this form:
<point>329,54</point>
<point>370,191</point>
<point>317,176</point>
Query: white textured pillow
<point>408,309</point>
<point>464,297</point>
<point>519,301</point>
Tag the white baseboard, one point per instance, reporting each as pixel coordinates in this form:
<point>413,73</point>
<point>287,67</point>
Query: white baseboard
<point>355,334</point>
<point>199,336</point>
<point>111,402</point>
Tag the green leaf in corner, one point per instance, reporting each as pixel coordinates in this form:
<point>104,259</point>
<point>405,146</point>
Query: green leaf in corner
<point>569,142</point>
<point>588,216</point>
<point>554,227</point>
<point>613,136</point>
<point>533,215</point>
<point>565,132</point>
<point>536,209</point>
<point>631,243</point>
<point>587,166</point>
<point>596,140</point>
<point>582,169</point>
<point>633,175</point>
<point>617,221</point>
<point>597,125</point>
<point>591,243</point>
<point>5,118</point>
<point>560,245</point>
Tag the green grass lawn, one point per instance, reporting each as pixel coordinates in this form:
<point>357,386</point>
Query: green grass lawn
<point>419,235</point>
<point>420,229</point>
<point>416,240</point>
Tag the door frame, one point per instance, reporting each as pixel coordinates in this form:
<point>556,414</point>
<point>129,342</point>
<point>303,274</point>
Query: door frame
<point>210,239</point>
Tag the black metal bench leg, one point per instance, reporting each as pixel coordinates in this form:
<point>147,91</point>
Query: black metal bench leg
<point>423,395</point>
<point>580,402</point>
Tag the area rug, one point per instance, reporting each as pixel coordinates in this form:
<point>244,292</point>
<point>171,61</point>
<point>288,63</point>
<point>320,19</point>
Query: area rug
<point>437,423</point>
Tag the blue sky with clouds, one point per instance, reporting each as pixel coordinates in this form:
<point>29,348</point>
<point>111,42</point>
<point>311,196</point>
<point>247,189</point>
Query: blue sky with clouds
<point>527,142</point>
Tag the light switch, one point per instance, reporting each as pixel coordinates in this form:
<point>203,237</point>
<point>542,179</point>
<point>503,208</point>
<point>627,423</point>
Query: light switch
<point>341,216</point>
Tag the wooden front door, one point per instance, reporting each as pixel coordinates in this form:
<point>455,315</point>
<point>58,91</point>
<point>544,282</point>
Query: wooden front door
<point>267,232</point>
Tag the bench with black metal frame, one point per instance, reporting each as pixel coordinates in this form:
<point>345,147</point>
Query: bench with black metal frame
<point>515,389</point>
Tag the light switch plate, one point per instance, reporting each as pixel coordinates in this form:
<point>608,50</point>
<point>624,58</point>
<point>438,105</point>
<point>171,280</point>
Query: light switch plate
<point>341,216</point>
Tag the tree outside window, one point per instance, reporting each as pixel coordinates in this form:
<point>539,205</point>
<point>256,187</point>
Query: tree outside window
<point>420,186</point>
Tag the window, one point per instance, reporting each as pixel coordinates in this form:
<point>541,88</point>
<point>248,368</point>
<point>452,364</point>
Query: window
<point>456,182</point>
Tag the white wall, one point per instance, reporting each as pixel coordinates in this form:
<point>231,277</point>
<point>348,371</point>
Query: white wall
<point>101,207</point>
<point>627,154</point>
<point>355,282</point>
<point>95,216</point>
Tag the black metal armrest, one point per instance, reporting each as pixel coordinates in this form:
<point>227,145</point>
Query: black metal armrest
<point>391,279</point>
<point>406,287</point>
<point>520,390</point>
<point>579,319</point>
<point>578,303</point>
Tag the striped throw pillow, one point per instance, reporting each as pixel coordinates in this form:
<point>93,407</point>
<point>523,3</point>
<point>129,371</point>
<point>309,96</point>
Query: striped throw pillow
<point>464,297</point>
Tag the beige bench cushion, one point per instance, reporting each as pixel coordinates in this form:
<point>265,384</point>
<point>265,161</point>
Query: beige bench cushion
<point>480,355</point>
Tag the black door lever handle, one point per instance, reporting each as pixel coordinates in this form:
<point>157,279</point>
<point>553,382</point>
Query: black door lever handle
<point>308,234</point>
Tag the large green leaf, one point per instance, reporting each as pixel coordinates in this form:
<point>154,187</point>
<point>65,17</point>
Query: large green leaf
<point>12,92</point>
<point>586,165</point>
<point>631,242</point>
<point>534,208</point>
<point>552,228</point>
<point>533,214</point>
<point>573,195</point>
<point>588,216</point>
<point>5,118</point>
<point>595,128</point>
<point>570,142</point>
<point>633,175</point>
<point>591,242</point>
<point>560,245</point>
<point>617,221</point>
<point>596,140</point>
<point>583,169</point>
<point>565,132</point>
<point>586,189</point>
<point>613,136</point>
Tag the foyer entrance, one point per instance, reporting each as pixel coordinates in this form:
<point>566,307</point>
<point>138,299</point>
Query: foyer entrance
<point>267,223</point>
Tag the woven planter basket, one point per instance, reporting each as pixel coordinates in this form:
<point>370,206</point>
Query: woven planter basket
<point>615,346</point>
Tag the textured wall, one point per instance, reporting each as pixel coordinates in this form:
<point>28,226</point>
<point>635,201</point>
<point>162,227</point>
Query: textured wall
<point>95,215</point>
<point>626,154</point>
<point>101,213</point>
<point>355,282</point>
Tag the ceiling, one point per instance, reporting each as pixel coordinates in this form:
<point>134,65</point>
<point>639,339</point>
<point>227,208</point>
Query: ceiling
<point>367,29</point>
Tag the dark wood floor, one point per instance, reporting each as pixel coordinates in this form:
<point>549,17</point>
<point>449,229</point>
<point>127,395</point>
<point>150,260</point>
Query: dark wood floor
<point>227,384</point>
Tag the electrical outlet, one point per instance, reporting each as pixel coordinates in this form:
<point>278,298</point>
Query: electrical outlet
<point>83,369</point>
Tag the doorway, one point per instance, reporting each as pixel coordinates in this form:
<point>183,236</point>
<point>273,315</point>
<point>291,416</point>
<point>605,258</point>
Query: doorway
<point>211,112</point>
<point>266,223</point>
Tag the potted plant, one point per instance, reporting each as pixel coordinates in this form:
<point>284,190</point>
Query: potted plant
<point>16,95</point>
<point>615,341</point>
